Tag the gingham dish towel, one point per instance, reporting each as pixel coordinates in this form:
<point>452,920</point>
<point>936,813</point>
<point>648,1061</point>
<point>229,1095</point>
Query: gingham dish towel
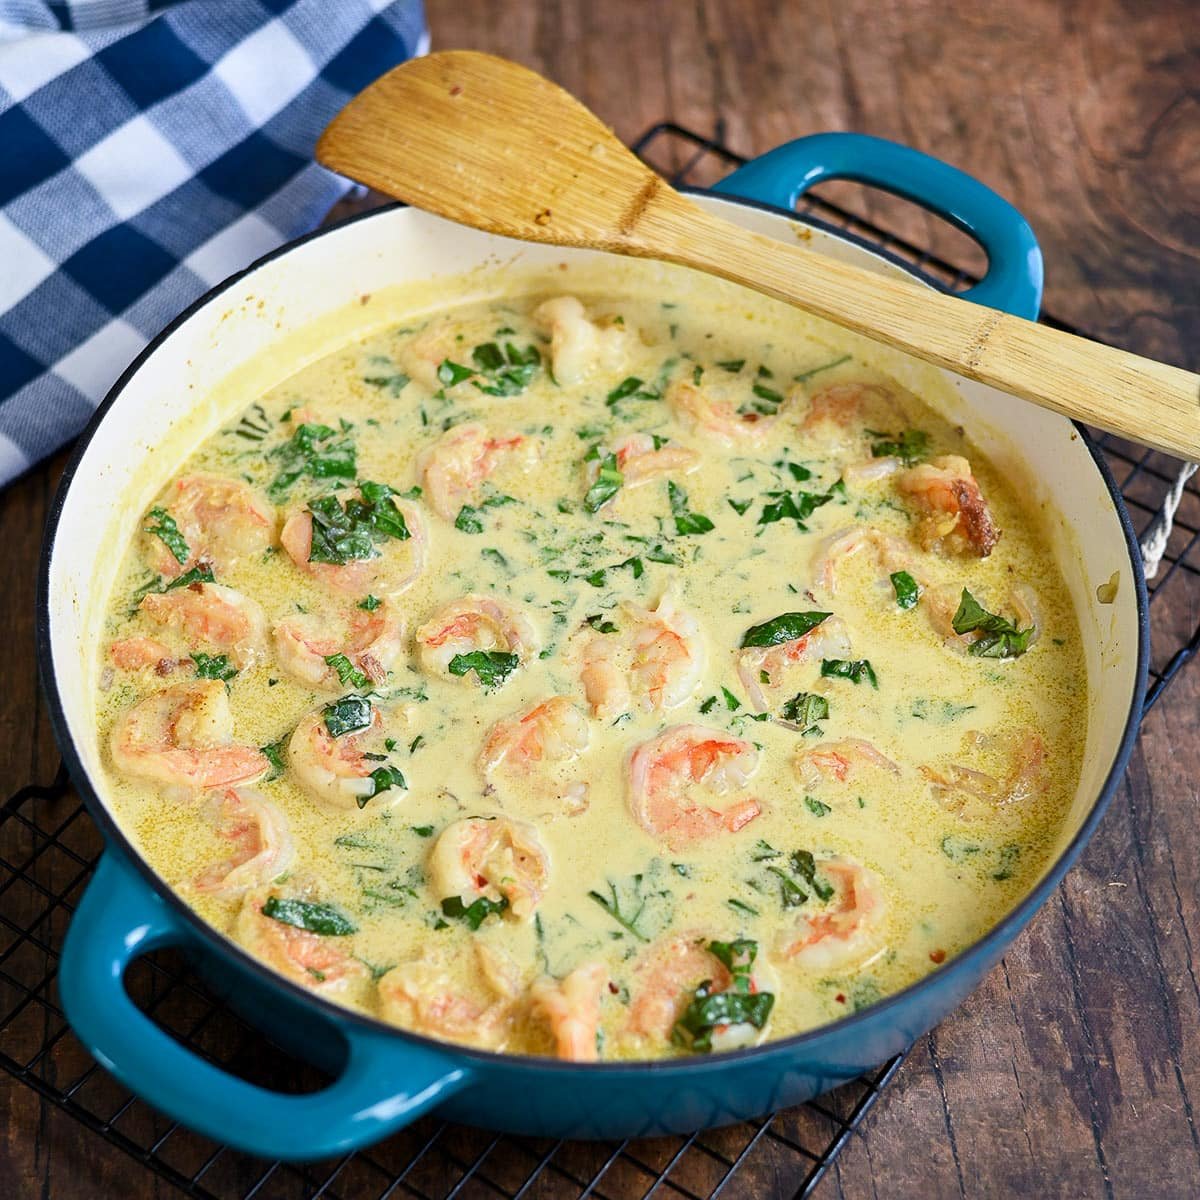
<point>149,149</point>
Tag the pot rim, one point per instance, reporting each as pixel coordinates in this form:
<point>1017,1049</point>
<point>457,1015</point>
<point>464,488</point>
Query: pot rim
<point>213,940</point>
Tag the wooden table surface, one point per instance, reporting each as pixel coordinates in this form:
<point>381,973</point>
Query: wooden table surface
<point>1075,1069</point>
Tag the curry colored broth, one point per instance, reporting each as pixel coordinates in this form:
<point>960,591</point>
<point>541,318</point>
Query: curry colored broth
<point>736,539</point>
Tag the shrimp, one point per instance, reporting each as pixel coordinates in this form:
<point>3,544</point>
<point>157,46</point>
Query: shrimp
<point>839,761</point>
<point>840,414</point>
<point>715,412</point>
<point>973,793</point>
<point>642,458</point>
<point>760,667</point>
<point>872,470</point>
<point>536,747</point>
<point>890,553</point>
<point>571,1007</point>
<point>183,736</point>
<point>372,643</point>
<point>667,771</point>
<point>136,653</point>
<point>212,615</point>
<point>314,960</point>
<point>654,661</point>
<point>261,839</point>
<point>455,467</point>
<point>469,624</point>
<point>420,356</point>
<point>220,520</point>
<point>666,977</point>
<point>492,858</point>
<point>579,346</point>
<point>423,996</point>
<point>956,516</point>
<point>391,567</point>
<point>338,769</point>
<point>850,931</point>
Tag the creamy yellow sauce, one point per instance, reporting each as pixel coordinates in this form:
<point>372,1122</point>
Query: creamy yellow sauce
<point>928,840</point>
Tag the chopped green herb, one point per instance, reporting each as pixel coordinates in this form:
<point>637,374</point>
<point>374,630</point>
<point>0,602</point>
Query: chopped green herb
<point>708,1011</point>
<point>740,506</point>
<point>791,894</point>
<point>347,715</point>
<point>316,451</point>
<point>201,574</point>
<point>370,603</point>
<point>612,905</point>
<point>469,519</point>
<point>214,666</point>
<point>686,522</point>
<point>600,623</point>
<point>782,506</point>
<point>816,807</point>
<point>347,672</point>
<point>855,670</point>
<point>306,914</point>
<point>708,705</point>
<point>804,376</point>
<point>384,779</point>
<point>805,709</point>
<point>450,373</point>
<point>393,384</point>
<point>957,848</point>
<point>1000,638</point>
<point>770,395</point>
<point>740,906</point>
<point>341,533</point>
<point>608,483</point>
<point>167,531</point>
<point>492,555</point>
<point>623,389</point>
<point>910,445</point>
<point>732,365</point>
<point>274,755</point>
<point>423,831</point>
<point>477,912</point>
<point>907,591</point>
<point>763,851</point>
<point>786,627</point>
<point>1009,856</point>
<point>805,865</point>
<point>731,701</point>
<point>491,667</point>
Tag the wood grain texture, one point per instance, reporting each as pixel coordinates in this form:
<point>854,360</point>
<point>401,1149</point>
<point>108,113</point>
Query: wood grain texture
<point>1074,1071</point>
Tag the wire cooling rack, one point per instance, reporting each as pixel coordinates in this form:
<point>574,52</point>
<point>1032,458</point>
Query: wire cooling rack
<point>49,847</point>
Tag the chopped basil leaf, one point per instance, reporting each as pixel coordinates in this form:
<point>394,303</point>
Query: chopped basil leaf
<point>475,913</point>
<point>274,755</point>
<point>855,670</point>
<point>804,376</point>
<point>770,395</point>
<point>214,666</point>
<point>805,709</point>
<point>450,373</point>
<point>907,592</point>
<point>347,715</point>
<point>600,624</point>
<point>1000,638</point>
<point>394,384</point>
<point>423,831</point>
<point>815,806</point>
<point>910,445</point>
<point>168,533</point>
<point>708,1011</point>
<point>787,627</point>
<point>347,672</point>
<point>341,533</point>
<point>384,778</point>
<point>370,603</point>
<point>468,519</point>
<point>491,667</point>
<point>783,507</point>
<point>708,705</point>
<point>740,506</point>
<point>739,906</point>
<point>957,848</point>
<point>732,365</point>
<point>608,483</point>
<point>805,865</point>
<point>314,450</point>
<point>686,522</point>
<point>1008,862</point>
<point>306,914</point>
<point>731,701</point>
<point>201,574</point>
<point>625,388</point>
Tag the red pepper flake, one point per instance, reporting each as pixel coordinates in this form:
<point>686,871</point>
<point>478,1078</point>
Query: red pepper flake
<point>841,999</point>
<point>937,956</point>
<point>612,987</point>
<point>456,90</point>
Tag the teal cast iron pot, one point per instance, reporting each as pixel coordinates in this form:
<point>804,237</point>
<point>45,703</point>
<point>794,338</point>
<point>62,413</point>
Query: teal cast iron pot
<point>384,1077</point>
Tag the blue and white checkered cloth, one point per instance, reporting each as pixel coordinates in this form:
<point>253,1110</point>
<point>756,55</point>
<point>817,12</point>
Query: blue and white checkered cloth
<point>148,149</point>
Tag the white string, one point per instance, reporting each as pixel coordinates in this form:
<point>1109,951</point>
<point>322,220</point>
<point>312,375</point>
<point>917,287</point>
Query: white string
<point>1154,542</point>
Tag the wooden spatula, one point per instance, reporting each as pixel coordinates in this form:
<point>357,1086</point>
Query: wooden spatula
<point>491,144</point>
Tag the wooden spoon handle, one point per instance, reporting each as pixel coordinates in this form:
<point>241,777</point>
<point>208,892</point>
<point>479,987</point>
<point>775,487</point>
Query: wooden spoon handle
<point>1146,401</point>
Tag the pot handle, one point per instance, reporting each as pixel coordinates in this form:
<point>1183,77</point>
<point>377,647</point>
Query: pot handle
<point>385,1083</point>
<point>1013,281</point>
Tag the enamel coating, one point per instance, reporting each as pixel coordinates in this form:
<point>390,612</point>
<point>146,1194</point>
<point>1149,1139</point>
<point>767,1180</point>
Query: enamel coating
<point>385,1077</point>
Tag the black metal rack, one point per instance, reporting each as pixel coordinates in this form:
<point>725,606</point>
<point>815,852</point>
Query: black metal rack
<point>50,848</point>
